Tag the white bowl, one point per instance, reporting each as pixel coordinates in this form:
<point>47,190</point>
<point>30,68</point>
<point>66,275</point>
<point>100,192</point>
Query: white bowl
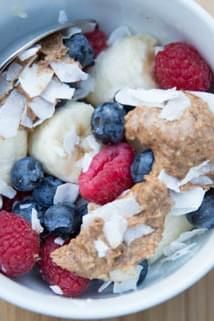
<point>169,21</point>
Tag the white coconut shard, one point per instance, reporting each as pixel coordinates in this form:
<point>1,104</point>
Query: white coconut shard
<point>13,71</point>
<point>86,160</point>
<point>158,49</point>
<point>62,18</point>
<point>69,32</point>
<point>66,193</point>
<point>35,79</point>
<point>10,114</point>
<point>5,86</point>
<point>68,72</point>
<point>57,90</point>
<point>104,286</point>
<point>35,222</point>
<point>187,202</point>
<point>195,172</point>
<point>70,141</point>
<point>202,180</point>
<point>114,230</point>
<point>29,53</point>
<point>42,108</point>
<point>85,87</point>
<point>26,121</point>
<point>171,182</point>
<point>59,241</point>
<point>56,289</point>
<point>101,248</point>
<point>136,232</point>
<point>1,202</point>
<point>129,284</point>
<point>6,190</point>
<point>118,34</point>
<point>175,107</point>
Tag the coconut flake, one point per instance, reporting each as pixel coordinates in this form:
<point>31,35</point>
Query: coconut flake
<point>71,139</point>
<point>202,180</point>
<point>171,182</point>
<point>134,233</point>
<point>6,190</point>
<point>62,18</point>
<point>35,222</point>
<point>5,86</point>
<point>158,49</point>
<point>187,202</point>
<point>59,241</point>
<point>104,286</point>
<point>130,284</point>
<point>56,289</point>
<point>197,171</point>
<point>85,87</point>
<point>66,193</point>
<point>114,230</point>
<point>101,248</point>
<point>175,108</point>
<point>35,79</point>
<point>13,71</point>
<point>10,114</point>
<point>26,121</point>
<point>30,52</point>
<point>68,72</point>
<point>69,32</point>
<point>118,34</point>
<point>57,90</point>
<point>41,108</point>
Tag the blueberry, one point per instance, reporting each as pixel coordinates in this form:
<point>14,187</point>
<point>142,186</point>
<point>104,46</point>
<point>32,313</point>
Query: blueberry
<point>107,123</point>
<point>143,272</point>
<point>80,49</point>
<point>142,165</point>
<point>24,208</point>
<point>62,219</point>
<point>26,174</point>
<point>45,191</point>
<point>204,216</point>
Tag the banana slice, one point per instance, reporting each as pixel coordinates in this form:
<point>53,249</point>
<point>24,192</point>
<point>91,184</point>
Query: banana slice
<point>62,141</point>
<point>12,149</point>
<point>128,63</point>
<point>174,226</point>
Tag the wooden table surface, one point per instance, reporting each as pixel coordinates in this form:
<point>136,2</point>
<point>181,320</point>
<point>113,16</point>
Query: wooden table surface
<point>195,304</point>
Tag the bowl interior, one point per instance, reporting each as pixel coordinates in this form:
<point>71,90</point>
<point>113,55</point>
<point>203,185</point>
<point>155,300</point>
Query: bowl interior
<point>170,21</point>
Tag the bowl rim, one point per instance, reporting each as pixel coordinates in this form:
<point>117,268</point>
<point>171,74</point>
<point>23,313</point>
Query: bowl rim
<point>125,304</point>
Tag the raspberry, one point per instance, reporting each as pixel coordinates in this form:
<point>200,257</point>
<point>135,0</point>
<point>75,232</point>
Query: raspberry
<point>180,65</point>
<point>19,248</point>
<point>69,283</point>
<point>98,40</point>
<point>108,175</point>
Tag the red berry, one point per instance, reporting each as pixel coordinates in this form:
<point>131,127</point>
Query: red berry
<point>98,40</point>
<point>180,65</point>
<point>69,283</point>
<point>19,245</point>
<point>108,175</point>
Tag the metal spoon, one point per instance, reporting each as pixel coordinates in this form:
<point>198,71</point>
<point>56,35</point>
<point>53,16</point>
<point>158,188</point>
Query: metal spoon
<point>4,62</point>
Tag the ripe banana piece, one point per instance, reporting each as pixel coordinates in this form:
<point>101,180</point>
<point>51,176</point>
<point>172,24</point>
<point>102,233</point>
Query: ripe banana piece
<point>12,149</point>
<point>127,63</point>
<point>174,226</point>
<point>62,141</point>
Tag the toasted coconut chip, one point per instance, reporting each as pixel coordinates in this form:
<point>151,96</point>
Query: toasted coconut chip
<point>175,108</point>
<point>66,193</point>
<point>35,222</point>
<point>5,86</point>
<point>87,25</point>
<point>104,286</point>
<point>1,202</point>
<point>118,34</point>
<point>171,182</point>
<point>85,87</point>
<point>57,90</point>
<point>10,114</point>
<point>6,190</point>
<point>68,33</point>
<point>13,71</point>
<point>130,284</point>
<point>59,241</point>
<point>28,53</point>
<point>56,289</point>
<point>34,80</point>
<point>62,18</point>
<point>136,232</point>
<point>101,248</point>
<point>68,72</point>
<point>41,108</point>
<point>71,139</point>
<point>195,172</point>
<point>207,97</point>
<point>114,230</point>
<point>187,202</point>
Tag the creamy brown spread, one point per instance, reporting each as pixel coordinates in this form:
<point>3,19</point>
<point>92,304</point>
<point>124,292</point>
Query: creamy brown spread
<point>177,145</point>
